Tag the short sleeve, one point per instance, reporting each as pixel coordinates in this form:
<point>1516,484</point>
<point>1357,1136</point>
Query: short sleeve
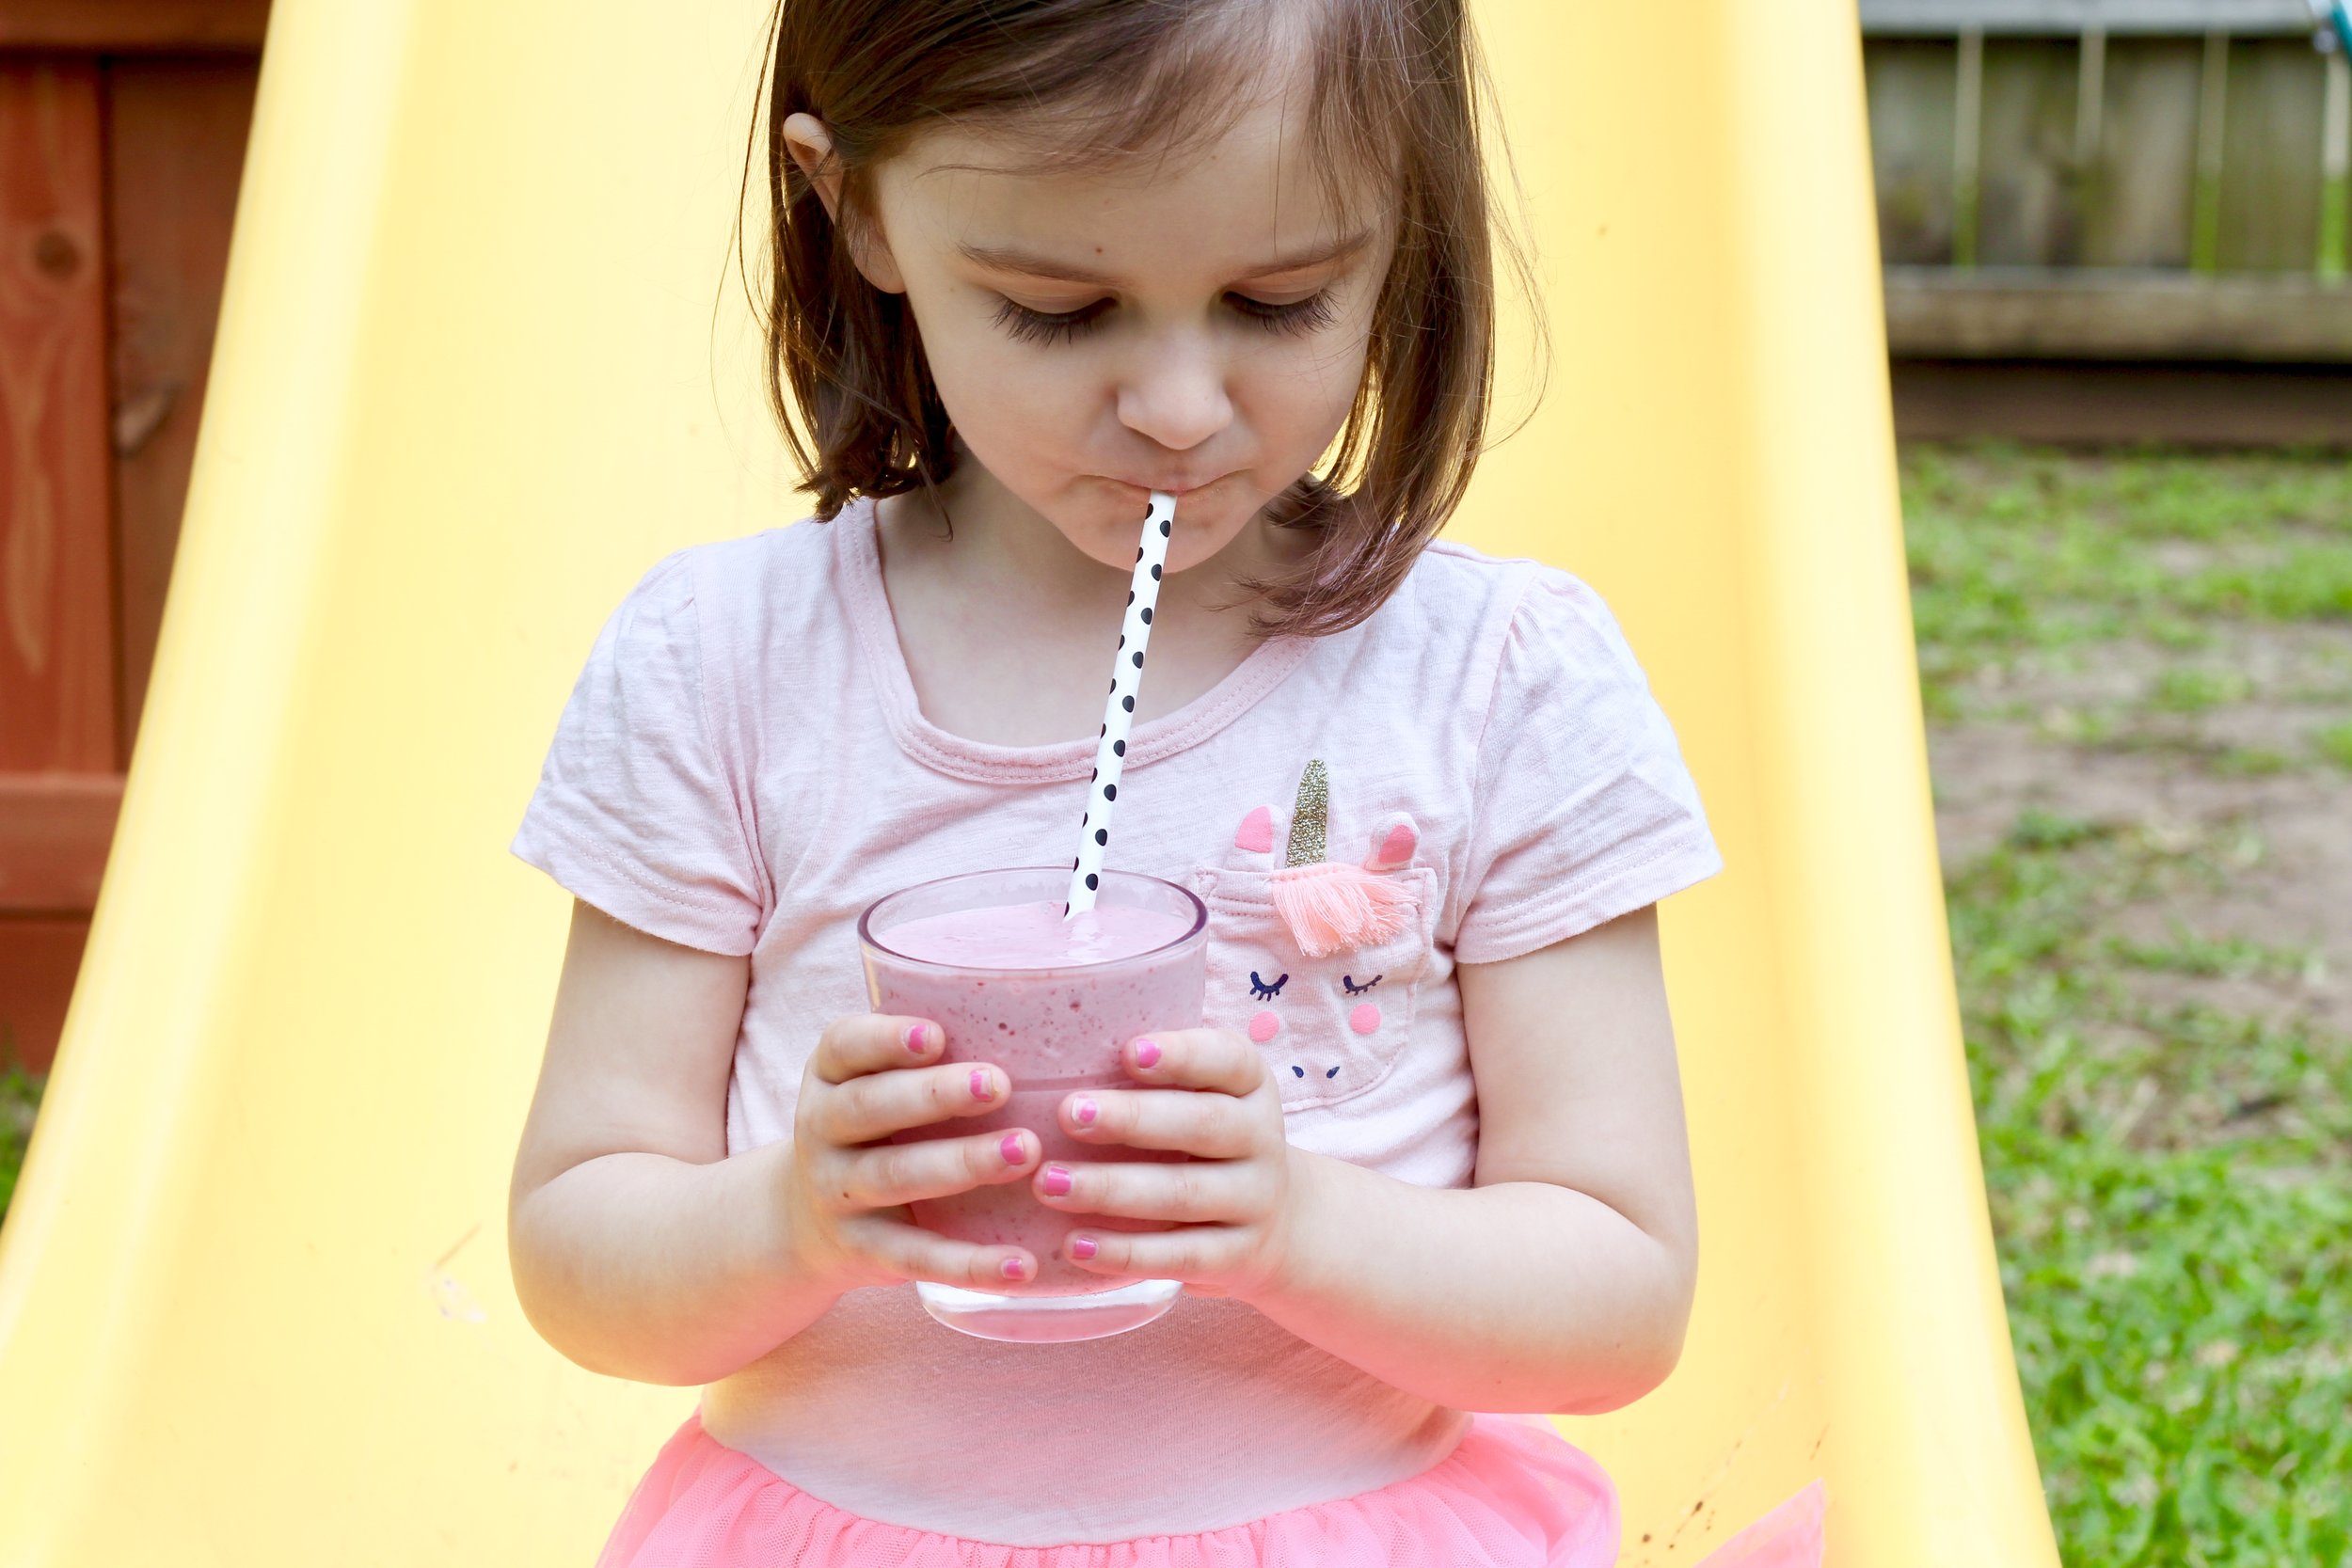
<point>636,811</point>
<point>1583,809</point>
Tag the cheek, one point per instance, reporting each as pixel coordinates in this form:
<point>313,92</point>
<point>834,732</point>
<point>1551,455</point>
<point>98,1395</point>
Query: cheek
<point>1364,1019</point>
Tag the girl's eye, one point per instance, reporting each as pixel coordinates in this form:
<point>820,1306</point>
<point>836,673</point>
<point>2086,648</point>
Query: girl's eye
<point>1061,326</point>
<point>1354,989</point>
<point>1266,990</point>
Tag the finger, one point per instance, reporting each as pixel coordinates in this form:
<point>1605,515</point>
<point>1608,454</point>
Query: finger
<point>889,1174</point>
<point>1194,1252</point>
<point>1220,1059</point>
<point>910,1252</point>
<point>881,1104</point>
<point>1192,1191</point>
<point>870,1042</point>
<point>1213,1126</point>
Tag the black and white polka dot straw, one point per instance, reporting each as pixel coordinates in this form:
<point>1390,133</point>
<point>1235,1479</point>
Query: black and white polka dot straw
<point>1110,753</point>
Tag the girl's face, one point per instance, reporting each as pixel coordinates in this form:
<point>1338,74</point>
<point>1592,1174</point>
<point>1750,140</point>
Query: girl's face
<point>1198,326</point>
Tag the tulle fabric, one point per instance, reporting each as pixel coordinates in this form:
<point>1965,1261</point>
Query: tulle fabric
<point>1513,1492</point>
<point>1512,1495</point>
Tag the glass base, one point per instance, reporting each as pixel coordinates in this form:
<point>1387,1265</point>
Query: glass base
<point>1048,1319</point>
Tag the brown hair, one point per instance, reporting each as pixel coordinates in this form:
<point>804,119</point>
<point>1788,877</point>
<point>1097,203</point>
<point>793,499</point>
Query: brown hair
<point>1396,95</point>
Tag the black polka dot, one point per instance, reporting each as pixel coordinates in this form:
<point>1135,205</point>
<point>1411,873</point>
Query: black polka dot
<point>1131,595</point>
<point>1102,835</point>
<point>1138,552</point>
<point>1110,792</point>
<point>1155,574</point>
<point>1167,526</point>
<point>1131,703</point>
<point>1114,683</point>
<point>1138,658</point>
<point>1092,882</point>
<point>1147,617</point>
<point>1096,774</point>
<point>1122,639</point>
<point>1118,748</point>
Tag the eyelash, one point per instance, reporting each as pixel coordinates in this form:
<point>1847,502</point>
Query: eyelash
<point>1266,990</point>
<point>1043,326</point>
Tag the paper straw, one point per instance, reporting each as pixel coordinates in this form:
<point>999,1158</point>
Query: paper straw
<point>1110,753</point>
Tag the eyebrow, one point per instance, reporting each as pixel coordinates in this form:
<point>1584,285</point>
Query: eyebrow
<point>1012,259</point>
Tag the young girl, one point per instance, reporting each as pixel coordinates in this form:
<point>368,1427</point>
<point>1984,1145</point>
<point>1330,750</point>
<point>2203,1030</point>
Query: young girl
<point>1032,260</point>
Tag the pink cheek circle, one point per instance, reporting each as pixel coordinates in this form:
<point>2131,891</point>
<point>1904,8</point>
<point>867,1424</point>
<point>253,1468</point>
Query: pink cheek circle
<point>1264,1027</point>
<point>1364,1019</point>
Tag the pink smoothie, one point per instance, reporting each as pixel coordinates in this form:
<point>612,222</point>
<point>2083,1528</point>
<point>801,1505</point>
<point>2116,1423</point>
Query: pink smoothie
<point>1051,1002</point>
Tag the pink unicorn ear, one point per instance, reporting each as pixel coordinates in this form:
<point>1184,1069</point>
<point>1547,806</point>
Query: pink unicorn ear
<point>1257,832</point>
<point>1393,845</point>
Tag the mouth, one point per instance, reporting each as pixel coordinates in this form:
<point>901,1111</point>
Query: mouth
<point>1177,487</point>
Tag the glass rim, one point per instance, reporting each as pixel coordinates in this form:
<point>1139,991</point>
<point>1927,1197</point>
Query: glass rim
<point>870,941</point>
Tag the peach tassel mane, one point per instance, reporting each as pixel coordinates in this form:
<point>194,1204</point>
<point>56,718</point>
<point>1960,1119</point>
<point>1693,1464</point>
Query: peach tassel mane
<point>1331,907</point>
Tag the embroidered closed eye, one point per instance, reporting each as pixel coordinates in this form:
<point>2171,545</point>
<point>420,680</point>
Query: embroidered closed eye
<point>1348,981</point>
<point>1264,991</point>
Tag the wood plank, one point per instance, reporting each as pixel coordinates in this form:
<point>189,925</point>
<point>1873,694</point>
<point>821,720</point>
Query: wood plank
<point>2027,209</point>
<point>122,26</point>
<point>2087,314</point>
<point>2270,158</point>
<point>176,130</point>
<point>56,587</point>
<point>2209,405</point>
<point>55,831</point>
<point>1927,18</point>
<point>2137,207</point>
<point>1909,86</point>
<point>40,956</point>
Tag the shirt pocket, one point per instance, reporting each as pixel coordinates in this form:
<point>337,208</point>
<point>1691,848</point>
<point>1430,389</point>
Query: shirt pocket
<point>1332,1028</point>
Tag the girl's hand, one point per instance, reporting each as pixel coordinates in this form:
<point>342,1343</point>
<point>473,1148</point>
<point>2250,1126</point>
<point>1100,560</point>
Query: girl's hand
<point>1211,1097</point>
<point>845,1200</point>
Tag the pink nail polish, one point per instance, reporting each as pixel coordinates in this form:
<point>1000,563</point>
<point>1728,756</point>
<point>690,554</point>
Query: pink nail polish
<point>915,1038</point>
<point>1056,1181</point>
<point>1147,1053</point>
<point>981,1087</point>
<point>1010,1148</point>
<point>1082,1247</point>
<point>1083,1111</point>
<point>1014,1270</point>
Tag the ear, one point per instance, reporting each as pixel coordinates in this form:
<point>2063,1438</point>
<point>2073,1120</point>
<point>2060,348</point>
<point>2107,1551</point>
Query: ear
<point>1394,844</point>
<point>810,146</point>
<point>1256,834</point>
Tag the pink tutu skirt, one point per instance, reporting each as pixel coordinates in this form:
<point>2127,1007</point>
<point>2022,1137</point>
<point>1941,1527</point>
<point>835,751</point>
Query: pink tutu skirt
<point>1511,1494</point>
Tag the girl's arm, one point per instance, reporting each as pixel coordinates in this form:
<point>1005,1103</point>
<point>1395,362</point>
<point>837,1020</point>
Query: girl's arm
<point>1561,1282</point>
<point>639,1249</point>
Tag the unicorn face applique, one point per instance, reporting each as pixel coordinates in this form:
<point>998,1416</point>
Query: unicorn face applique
<point>1317,959</point>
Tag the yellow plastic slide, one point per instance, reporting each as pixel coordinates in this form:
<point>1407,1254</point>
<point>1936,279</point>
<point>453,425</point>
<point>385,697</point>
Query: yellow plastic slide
<point>475,373</point>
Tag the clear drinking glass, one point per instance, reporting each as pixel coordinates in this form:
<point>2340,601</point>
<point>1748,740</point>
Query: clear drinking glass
<point>1052,1030</point>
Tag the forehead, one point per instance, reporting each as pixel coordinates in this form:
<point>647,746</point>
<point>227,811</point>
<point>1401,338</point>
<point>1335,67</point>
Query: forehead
<point>1250,190</point>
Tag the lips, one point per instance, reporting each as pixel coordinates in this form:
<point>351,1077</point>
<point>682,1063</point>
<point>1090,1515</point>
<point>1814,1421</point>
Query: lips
<point>1173,486</point>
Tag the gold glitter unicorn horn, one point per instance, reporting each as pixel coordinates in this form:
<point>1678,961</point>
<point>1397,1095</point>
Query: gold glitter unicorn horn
<point>1331,908</point>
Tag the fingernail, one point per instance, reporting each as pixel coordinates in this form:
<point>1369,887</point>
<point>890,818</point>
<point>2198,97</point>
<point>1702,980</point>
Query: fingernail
<point>1056,1181</point>
<point>981,1087</point>
<point>1015,1269</point>
<point>1082,1247</point>
<point>914,1038</point>
<point>1011,1150</point>
<point>1147,1053</point>
<point>1082,1111</point>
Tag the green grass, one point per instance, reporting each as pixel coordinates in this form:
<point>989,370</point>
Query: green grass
<point>2171,1183</point>
<point>2172,1192</point>
<point>20,1097</point>
<point>2017,551</point>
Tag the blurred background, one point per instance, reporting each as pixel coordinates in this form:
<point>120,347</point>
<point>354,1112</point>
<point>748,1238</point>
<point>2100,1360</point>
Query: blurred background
<point>2115,237</point>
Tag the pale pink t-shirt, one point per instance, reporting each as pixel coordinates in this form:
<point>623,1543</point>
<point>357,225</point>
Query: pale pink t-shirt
<point>743,769</point>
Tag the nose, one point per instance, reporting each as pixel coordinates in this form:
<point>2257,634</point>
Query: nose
<point>1175,397</point>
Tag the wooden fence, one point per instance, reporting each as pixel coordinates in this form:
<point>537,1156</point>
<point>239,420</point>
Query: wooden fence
<point>2112,180</point>
<point>123,130</point>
